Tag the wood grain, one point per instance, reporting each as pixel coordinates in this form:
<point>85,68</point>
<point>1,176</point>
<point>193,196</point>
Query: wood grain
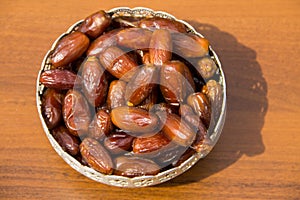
<point>257,156</point>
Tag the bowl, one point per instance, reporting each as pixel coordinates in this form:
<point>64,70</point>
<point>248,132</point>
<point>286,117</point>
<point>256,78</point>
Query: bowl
<point>214,129</point>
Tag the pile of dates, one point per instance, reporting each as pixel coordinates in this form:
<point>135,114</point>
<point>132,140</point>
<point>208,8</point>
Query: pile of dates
<point>131,96</point>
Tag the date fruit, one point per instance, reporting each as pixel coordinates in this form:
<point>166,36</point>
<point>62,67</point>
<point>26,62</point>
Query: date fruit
<point>206,67</point>
<point>141,84</point>
<point>101,125</point>
<point>51,107</point>
<point>134,120</point>
<point>95,84</point>
<point>66,140</point>
<point>96,156</point>
<point>135,166</point>
<point>160,50</point>
<point>60,79</point>
<point>177,129</point>
<point>201,106</point>
<point>134,38</point>
<point>95,24</point>
<point>118,63</point>
<point>69,48</point>
<point>162,23</point>
<point>116,94</point>
<point>150,144</point>
<point>118,142</point>
<point>76,113</point>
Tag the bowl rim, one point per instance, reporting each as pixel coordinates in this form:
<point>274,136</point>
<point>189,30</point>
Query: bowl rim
<point>140,181</point>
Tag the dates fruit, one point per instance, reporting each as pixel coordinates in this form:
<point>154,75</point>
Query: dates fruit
<point>94,81</point>
<point>150,144</point>
<point>134,38</point>
<point>69,48</point>
<point>60,79</point>
<point>176,129</point>
<point>134,120</point>
<point>141,84</point>
<point>51,107</point>
<point>95,24</point>
<point>96,156</point>
<point>101,125</point>
<point>161,23</point>
<point>201,106</point>
<point>116,94</point>
<point>66,140</point>
<point>118,63</point>
<point>76,113</point>
<point>118,142</point>
<point>135,166</point>
<point>131,95</point>
<point>160,47</point>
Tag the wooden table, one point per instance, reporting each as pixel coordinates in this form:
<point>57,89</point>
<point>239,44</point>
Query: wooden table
<point>258,154</point>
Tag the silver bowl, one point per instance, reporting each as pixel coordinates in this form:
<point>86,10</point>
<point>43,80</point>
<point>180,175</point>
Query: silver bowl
<point>141,181</point>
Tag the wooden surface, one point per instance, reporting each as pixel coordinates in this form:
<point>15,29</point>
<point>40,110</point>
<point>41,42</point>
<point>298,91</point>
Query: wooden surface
<point>258,154</point>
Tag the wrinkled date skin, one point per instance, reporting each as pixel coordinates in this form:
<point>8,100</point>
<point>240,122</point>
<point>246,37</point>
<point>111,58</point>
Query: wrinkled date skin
<point>190,45</point>
<point>161,23</point>
<point>101,125</point>
<point>103,42</point>
<point>60,79</point>
<point>51,107</point>
<point>141,84</point>
<point>149,101</point>
<point>95,24</point>
<point>76,113</point>
<point>116,94</point>
<point>118,142</point>
<point>95,84</point>
<point>134,38</point>
<point>69,48</point>
<point>206,67</point>
<point>135,166</point>
<point>177,129</point>
<point>118,63</point>
<point>160,50</point>
<point>134,120</point>
<point>175,82</point>
<point>150,144</point>
<point>201,106</point>
<point>66,140</point>
<point>96,156</point>
<point>189,116</point>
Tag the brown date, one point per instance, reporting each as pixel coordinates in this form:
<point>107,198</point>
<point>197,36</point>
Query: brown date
<point>177,129</point>
<point>202,142</point>
<point>141,84</point>
<point>146,58</point>
<point>101,125</point>
<point>134,38</point>
<point>125,22</point>
<point>94,81</point>
<point>66,140</point>
<point>51,107</point>
<point>150,144</point>
<point>95,24</point>
<point>76,113</point>
<point>69,48</point>
<point>160,49</point>
<point>161,23</point>
<point>135,166</point>
<point>189,116</point>
<point>189,45</point>
<point>116,94</point>
<point>96,156</point>
<point>60,79</point>
<point>201,106</point>
<point>206,67</point>
<point>175,82</point>
<point>150,101</point>
<point>186,155</point>
<point>118,63</point>
<point>134,120</point>
<point>118,142</point>
<point>103,42</point>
